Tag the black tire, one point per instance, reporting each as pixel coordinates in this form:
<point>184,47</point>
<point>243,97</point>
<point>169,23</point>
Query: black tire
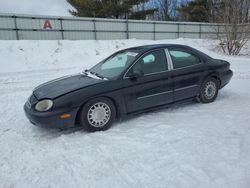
<point>87,114</point>
<point>209,90</point>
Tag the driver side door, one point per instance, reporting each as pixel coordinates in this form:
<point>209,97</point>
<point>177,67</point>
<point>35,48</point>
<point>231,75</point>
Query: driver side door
<point>153,87</point>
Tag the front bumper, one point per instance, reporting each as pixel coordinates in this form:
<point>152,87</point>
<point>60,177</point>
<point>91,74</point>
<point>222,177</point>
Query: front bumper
<point>50,119</point>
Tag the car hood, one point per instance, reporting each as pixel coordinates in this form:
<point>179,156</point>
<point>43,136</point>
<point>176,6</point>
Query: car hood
<point>64,85</point>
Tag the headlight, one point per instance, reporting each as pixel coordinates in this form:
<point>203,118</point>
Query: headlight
<point>44,105</point>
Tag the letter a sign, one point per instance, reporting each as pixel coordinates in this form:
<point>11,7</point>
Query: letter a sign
<point>47,25</point>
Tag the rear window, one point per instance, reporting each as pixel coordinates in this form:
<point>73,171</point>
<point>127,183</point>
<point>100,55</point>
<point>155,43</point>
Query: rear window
<point>182,59</point>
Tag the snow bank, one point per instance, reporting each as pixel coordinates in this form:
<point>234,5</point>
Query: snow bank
<point>186,146</point>
<point>19,56</point>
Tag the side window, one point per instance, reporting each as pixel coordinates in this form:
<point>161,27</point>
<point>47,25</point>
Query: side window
<point>152,63</point>
<point>149,59</point>
<point>182,59</point>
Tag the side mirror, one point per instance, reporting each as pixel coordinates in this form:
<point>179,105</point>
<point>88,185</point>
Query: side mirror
<point>136,74</point>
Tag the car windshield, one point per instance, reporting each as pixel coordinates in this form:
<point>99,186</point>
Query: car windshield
<point>113,66</point>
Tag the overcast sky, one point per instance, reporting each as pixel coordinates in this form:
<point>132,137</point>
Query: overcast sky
<point>41,7</point>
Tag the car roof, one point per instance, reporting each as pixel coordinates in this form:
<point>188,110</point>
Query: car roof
<point>146,48</point>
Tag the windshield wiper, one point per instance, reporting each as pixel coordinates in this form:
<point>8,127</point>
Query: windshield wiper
<point>85,71</point>
<point>94,73</point>
<point>98,75</point>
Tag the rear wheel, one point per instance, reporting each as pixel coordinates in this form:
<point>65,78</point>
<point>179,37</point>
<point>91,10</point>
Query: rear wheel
<point>97,114</point>
<point>209,90</point>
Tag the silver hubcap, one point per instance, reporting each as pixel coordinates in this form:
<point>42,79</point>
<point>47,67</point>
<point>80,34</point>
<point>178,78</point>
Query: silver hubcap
<point>99,114</point>
<point>210,90</point>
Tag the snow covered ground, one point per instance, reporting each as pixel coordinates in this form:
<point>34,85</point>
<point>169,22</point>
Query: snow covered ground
<point>186,146</point>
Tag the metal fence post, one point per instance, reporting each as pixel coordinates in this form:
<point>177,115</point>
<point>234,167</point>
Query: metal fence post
<point>178,30</point>
<point>16,29</point>
<point>127,31</point>
<point>154,32</point>
<point>218,34</point>
<point>200,31</point>
<point>94,22</point>
<point>61,24</point>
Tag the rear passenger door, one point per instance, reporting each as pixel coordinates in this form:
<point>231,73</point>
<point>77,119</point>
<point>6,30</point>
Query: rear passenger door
<point>187,73</point>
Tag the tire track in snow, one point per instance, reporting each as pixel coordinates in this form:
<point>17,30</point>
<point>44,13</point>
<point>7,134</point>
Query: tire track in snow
<point>38,71</point>
<point>14,83</point>
<point>27,76</point>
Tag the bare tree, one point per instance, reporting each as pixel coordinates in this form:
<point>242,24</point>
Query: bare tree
<point>168,8</point>
<point>234,29</point>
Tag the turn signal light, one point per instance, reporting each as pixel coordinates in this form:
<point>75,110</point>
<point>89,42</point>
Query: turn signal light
<point>65,116</point>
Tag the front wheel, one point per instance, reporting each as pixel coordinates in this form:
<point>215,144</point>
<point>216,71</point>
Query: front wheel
<point>209,90</point>
<point>97,114</point>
